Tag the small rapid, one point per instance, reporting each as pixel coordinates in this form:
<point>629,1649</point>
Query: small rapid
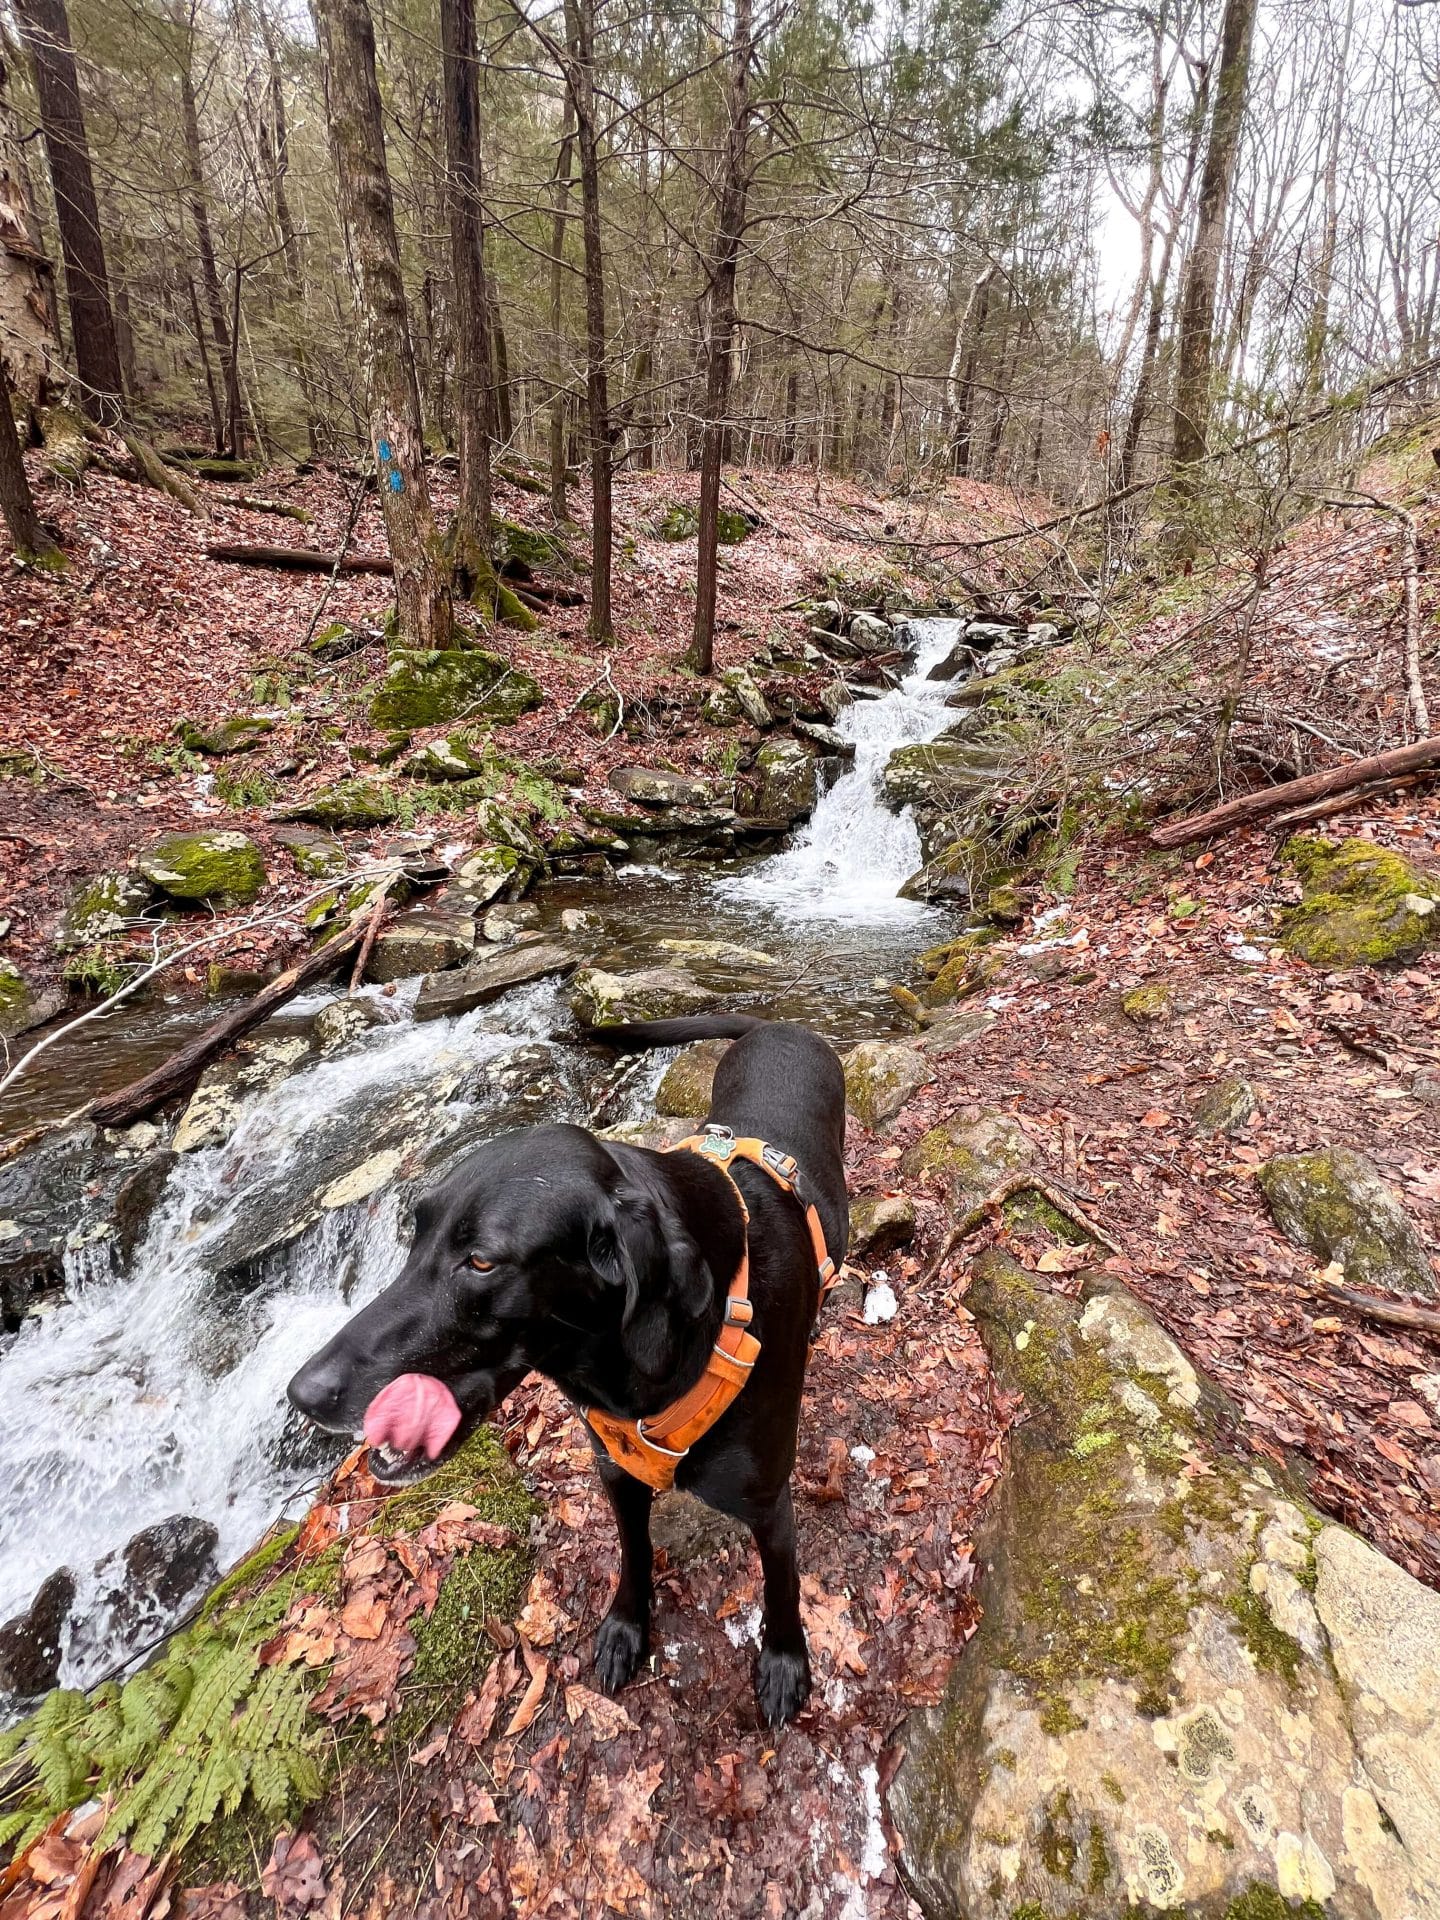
<point>850,860</point>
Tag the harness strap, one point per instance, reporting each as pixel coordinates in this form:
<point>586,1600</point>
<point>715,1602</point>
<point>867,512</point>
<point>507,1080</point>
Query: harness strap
<point>651,1449</point>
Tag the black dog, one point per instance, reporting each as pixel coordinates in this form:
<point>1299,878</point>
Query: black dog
<point>606,1268</point>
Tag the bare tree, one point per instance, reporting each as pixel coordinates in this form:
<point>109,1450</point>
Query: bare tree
<point>470,531</point>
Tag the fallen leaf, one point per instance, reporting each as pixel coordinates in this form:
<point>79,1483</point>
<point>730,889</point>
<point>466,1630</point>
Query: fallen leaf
<point>529,1706</point>
<point>606,1717</point>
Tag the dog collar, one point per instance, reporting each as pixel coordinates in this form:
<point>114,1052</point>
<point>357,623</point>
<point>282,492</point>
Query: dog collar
<point>651,1449</point>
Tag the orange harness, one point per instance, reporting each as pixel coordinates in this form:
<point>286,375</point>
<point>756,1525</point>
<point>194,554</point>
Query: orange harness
<point>651,1449</point>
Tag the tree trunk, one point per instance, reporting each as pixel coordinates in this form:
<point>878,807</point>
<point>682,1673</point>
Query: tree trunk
<point>204,240</point>
<point>45,31</point>
<point>1197,315</point>
<point>29,329</point>
<point>1317,333</point>
<point>276,145</point>
<point>580,75</point>
<point>470,530</point>
<point>367,211</point>
<point>217,419</point>
<point>720,333</point>
<point>559,372</point>
<point>17,505</point>
<point>961,384</point>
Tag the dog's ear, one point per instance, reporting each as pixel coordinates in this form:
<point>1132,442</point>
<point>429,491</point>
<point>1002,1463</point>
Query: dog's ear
<point>642,1245</point>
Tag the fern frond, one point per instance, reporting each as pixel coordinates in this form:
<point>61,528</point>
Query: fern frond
<point>222,1779</point>
<point>218,1685</point>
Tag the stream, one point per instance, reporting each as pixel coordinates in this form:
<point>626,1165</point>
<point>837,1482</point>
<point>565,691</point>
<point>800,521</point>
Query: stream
<point>156,1387</point>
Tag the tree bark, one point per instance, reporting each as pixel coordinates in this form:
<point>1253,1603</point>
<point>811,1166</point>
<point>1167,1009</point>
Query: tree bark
<point>720,332</point>
<point>17,505</point>
<point>29,328</point>
<point>1251,807</point>
<point>580,76</point>
<point>367,211</point>
<point>220,333</point>
<point>45,31</point>
<point>1197,315</point>
<point>276,146</point>
<point>559,373</point>
<point>470,530</point>
<point>960,386</point>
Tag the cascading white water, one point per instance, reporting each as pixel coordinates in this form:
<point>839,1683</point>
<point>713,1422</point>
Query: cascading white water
<point>850,861</point>
<point>162,1391</point>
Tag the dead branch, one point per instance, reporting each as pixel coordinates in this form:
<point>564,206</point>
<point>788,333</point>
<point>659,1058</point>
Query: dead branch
<point>989,1209</point>
<point>1250,807</point>
<point>1343,802</point>
<point>1388,1313</point>
<point>298,559</point>
<point>372,930</point>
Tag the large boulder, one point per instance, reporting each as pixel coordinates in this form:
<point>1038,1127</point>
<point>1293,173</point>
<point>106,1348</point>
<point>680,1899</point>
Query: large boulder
<point>1362,905</point>
<point>870,634</point>
<point>237,734</point>
<point>651,787</point>
<point>880,1078</point>
<point>1187,1693</point>
<point>225,1089</point>
<point>938,773</point>
<point>600,999</point>
<point>222,869</point>
<point>347,803</point>
<point>785,783</point>
<point>973,1151</point>
<point>426,941</point>
<point>31,1643</point>
<point>316,855</point>
<point>444,995</point>
<point>1334,1203</point>
<point>103,907</point>
<point>432,689</point>
<point>747,697</point>
<point>21,1007</point>
<point>685,1090</point>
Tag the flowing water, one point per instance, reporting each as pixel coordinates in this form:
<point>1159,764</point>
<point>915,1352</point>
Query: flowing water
<point>158,1387</point>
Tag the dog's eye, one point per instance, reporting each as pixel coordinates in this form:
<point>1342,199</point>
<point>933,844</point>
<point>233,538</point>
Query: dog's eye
<point>480,1266</point>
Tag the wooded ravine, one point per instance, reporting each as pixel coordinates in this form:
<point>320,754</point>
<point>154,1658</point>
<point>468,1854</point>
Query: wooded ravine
<point>917,521</point>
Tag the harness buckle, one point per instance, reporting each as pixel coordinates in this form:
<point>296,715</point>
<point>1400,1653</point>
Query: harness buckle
<point>783,1164</point>
<point>738,1313</point>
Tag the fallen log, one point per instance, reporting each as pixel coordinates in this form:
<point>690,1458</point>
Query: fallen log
<point>1250,807</point>
<point>1388,1313</point>
<point>298,559</point>
<point>179,1073</point>
<point>1343,802</point>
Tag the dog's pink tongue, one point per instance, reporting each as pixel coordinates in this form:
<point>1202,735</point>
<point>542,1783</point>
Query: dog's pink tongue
<point>415,1413</point>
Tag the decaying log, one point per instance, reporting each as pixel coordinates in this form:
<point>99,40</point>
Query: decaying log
<point>179,1073</point>
<point>1388,1313</point>
<point>298,559</point>
<point>1251,807</point>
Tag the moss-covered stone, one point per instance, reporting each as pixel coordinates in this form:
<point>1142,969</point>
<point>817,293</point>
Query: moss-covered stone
<point>432,689</point>
<point>16,1000</point>
<point>102,908</point>
<point>974,1151</point>
<point>1147,1006</point>
<point>459,757</point>
<point>528,546</point>
<point>684,1092</point>
<point>237,734</point>
<point>222,869</point>
<point>880,1223</point>
<point>316,855</point>
<point>881,1077</point>
<point>1227,1107</point>
<point>938,773</point>
<point>1335,1203</point>
<point>349,803</point>
<point>785,783</point>
<point>1363,905</point>
<point>679,523</point>
<point>601,999</point>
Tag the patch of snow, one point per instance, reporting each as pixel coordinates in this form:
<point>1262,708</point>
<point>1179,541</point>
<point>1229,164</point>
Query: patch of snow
<point>862,1455</point>
<point>743,1627</point>
<point>1078,939</point>
<point>872,1861</point>
<point>880,1304</point>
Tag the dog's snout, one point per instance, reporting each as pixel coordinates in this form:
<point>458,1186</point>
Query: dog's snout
<point>321,1389</point>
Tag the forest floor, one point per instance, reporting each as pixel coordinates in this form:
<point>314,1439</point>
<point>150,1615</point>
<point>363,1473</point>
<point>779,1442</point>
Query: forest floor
<point>542,1797</point>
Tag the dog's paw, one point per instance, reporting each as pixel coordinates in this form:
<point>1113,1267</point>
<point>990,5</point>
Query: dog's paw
<point>782,1684</point>
<point>620,1646</point>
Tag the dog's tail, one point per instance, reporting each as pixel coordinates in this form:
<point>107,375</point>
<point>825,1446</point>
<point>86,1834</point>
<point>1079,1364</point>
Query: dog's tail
<point>676,1033</point>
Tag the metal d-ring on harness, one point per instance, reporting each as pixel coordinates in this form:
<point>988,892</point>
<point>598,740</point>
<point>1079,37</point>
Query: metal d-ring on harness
<point>650,1449</point>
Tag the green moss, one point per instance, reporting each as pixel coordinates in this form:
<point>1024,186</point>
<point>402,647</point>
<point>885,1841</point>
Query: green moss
<point>731,528</point>
<point>1363,905</point>
<point>679,523</point>
<point>1113,1787</point>
<point>433,689</point>
<point>222,869</point>
<point>237,734</point>
<point>1148,1004</point>
<point>236,789</point>
<point>1058,1717</point>
<point>528,547</point>
<point>1100,1863</point>
<point>1259,1902</point>
<point>1272,1649</point>
<point>350,803</point>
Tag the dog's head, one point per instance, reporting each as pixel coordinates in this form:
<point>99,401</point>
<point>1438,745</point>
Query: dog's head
<point>542,1251</point>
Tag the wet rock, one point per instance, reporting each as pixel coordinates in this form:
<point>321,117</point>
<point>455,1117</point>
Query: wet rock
<point>136,1199</point>
<point>1335,1203</point>
<point>959,968</point>
<point>880,1078</point>
<point>938,773</point>
<point>577,920</point>
<point>1225,1108</point>
<point>237,734</point>
<point>600,999</point>
<point>973,1152</point>
<point>945,880</point>
<point>485,874</point>
<point>1155,1712</point>
<point>165,1563</point>
<point>427,941</point>
<point>685,1091</point>
<point>343,1022</point>
<point>784,783</point>
<point>1149,1005</point>
<point>455,758</point>
<point>827,616</point>
<point>223,869</point>
<point>832,744</point>
<point>316,855</point>
<point>347,803</point>
<point>224,1090</point>
<point>658,1135</point>
<point>432,689</point>
<point>880,1223</point>
<point>20,1006</point>
<point>720,953</point>
<point>30,1644</point>
<point>985,634</point>
<point>505,923</point>
<point>103,907</point>
<point>488,975</point>
<point>1363,905</point>
<point>1008,905</point>
<point>58,1194</point>
<point>870,634</point>
<point>956,1032</point>
<point>960,659</point>
<point>747,697</point>
<point>650,787</point>
<point>529,1076</point>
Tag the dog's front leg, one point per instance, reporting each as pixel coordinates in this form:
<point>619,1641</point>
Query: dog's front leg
<point>624,1636</point>
<point>782,1673</point>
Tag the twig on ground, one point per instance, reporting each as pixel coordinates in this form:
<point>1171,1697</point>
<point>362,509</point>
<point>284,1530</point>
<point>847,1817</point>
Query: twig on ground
<point>372,929</point>
<point>1389,1313</point>
<point>989,1209</point>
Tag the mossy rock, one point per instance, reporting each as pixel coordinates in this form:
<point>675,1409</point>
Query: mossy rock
<point>528,547</point>
<point>1117,1737</point>
<point>881,1077</point>
<point>880,1223</point>
<point>684,1092</point>
<point>348,803</point>
<point>732,527</point>
<point>601,999</point>
<point>1149,1005</point>
<point>1225,1108</point>
<point>457,758</point>
<point>968,969</point>
<point>238,734</point>
<point>102,908</point>
<point>316,855</point>
<point>432,689</point>
<point>679,523</point>
<point>938,773</point>
<point>747,697</point>
<point>973,1151</point>
<point>1363,905</point>
<point>16,1000</point>
<point>1335,1203</point>
<point>786,783</point>
<point>222,869</point>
